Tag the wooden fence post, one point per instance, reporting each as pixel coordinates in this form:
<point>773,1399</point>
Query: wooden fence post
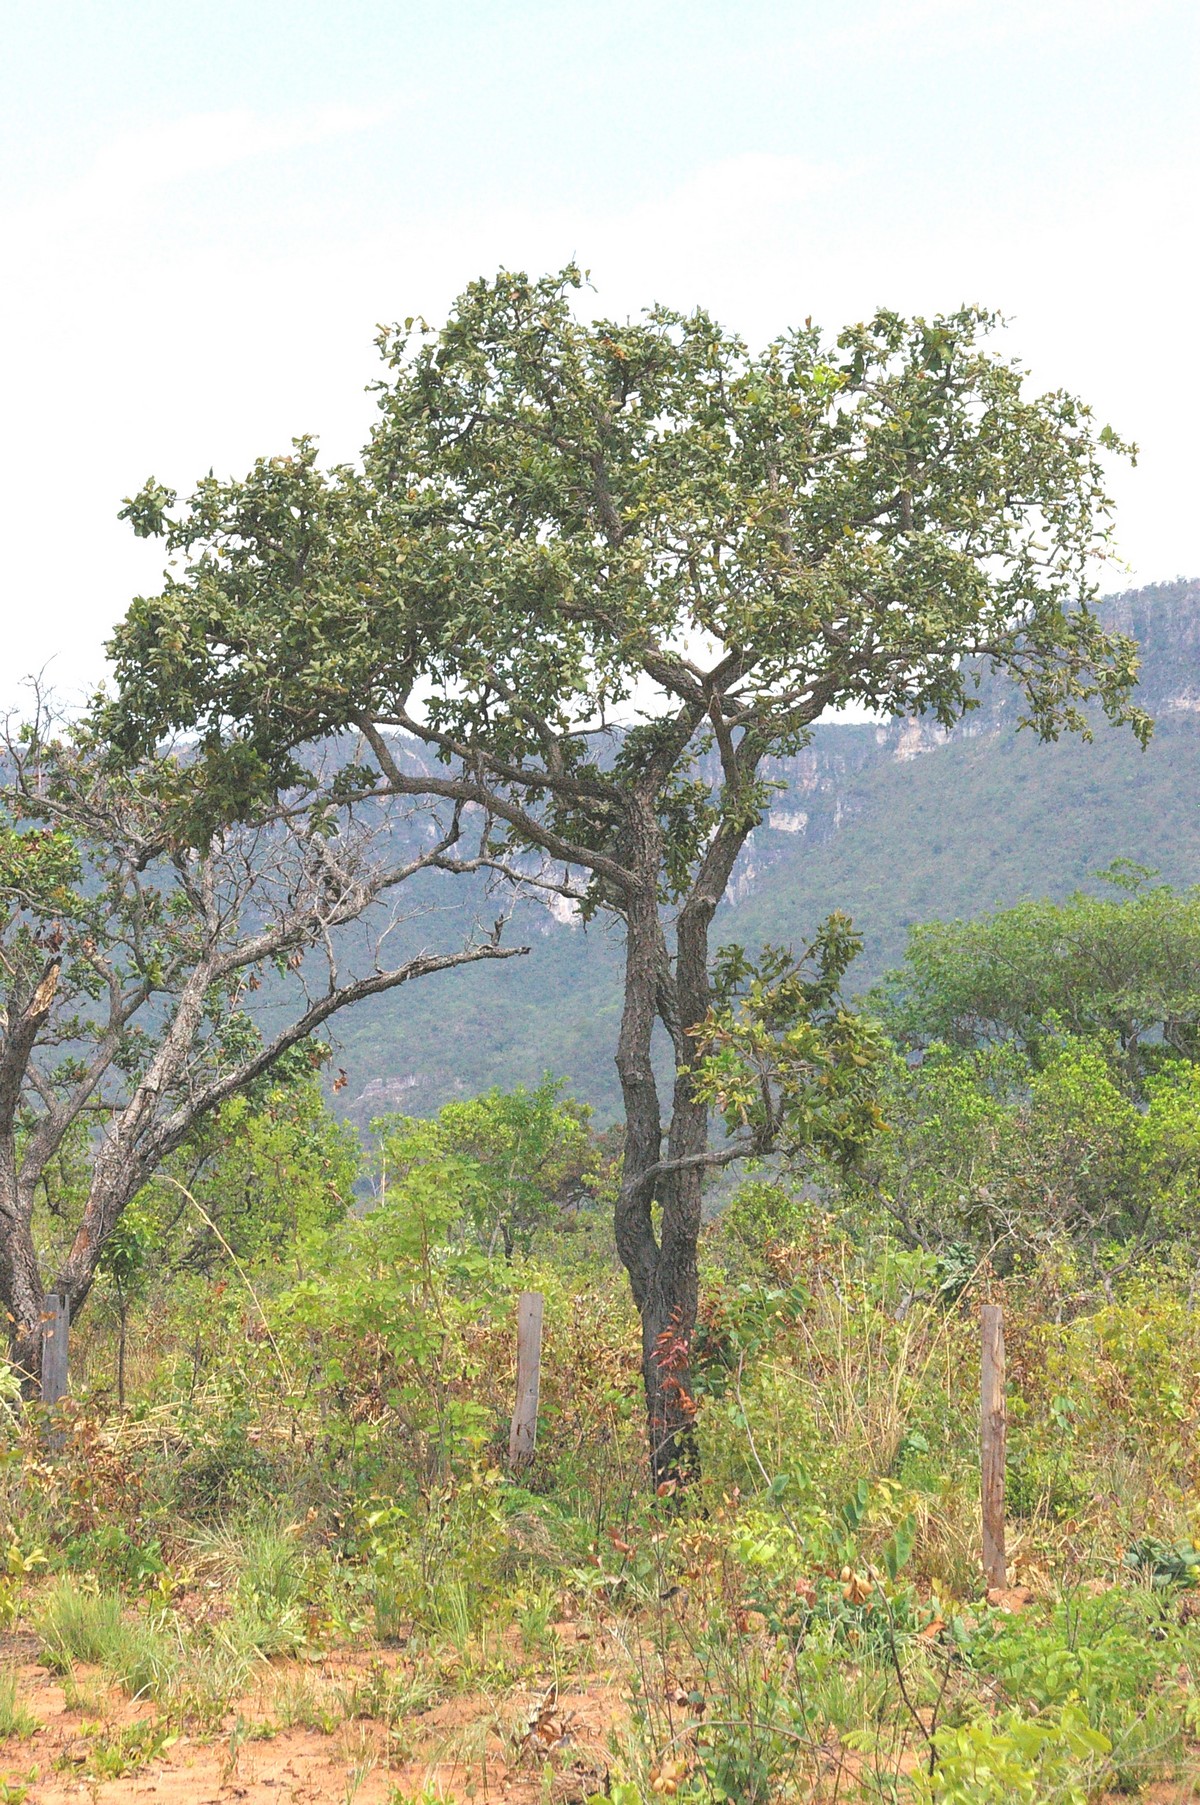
<point>56,1326</point>
<point>523,1434</point>
<point>993,1426</point>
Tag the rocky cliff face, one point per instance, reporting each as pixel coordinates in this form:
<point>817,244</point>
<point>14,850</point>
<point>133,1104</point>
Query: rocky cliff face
<point>827,785</point>
<point>1165,621</point>
<point>823,788</point>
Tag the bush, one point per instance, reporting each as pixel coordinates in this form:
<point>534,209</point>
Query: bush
<point>227,1473</point>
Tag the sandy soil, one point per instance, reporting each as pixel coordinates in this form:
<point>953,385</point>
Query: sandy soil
<point>469,1748</point>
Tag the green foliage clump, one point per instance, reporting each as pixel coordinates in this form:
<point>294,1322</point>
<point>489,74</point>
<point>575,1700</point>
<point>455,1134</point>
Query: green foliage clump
<point>1056,1755</point>
<point>268,1170</point>
<point>520,1158</point>
<point>1124,966</point>
<point>785,1061</point>
<point>382,1318</point>
<point>991,1155</point>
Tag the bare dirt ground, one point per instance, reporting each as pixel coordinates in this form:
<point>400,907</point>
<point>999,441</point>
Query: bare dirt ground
<point>538,1745</point>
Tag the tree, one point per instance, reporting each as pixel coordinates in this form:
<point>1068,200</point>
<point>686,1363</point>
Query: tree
<point>529,1153</point>
<point>513,1160</point>
<point>1056,1092</point>
<point>124,1261</point>
<point>990,1156</point>
<point>269,1168</point>
<point>993,1153</point>
<point>557,523</point>
<point>129,962</point>
<point>1125,964</point>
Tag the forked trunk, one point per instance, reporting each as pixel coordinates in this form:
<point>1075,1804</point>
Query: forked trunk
<point>662,1266</point>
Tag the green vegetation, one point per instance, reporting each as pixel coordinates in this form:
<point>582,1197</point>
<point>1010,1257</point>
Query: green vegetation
<point>302,1519</point>
<point>1096,965</point>
<point>129,958</point>
<point>741,1564</point>
<point>519,1159</point>
<point>558,519</point>
<point>1055,1086</point>
<point>987,820</point>
<point>15,1719</point>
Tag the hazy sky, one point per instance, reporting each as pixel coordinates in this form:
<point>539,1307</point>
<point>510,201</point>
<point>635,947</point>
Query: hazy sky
<point>207,207</point>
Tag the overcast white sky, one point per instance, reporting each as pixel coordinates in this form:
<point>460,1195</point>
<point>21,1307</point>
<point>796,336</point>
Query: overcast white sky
<point>206,207</point>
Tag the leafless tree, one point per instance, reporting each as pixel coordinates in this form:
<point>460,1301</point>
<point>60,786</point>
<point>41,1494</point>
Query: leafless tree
<point>129,958</point>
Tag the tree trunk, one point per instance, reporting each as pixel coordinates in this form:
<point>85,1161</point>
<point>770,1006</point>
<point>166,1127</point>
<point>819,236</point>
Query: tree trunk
<point>21,1290</point>
<point>671,1298</point>
<point>669,1314</point>
<point>668,1321</point>
<point>637,1243</point>
<point>662,1268</point>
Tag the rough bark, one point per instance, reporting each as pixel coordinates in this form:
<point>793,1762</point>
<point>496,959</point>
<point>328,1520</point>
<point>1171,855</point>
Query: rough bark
<point>21,1291</point>
<point>662,1266</point>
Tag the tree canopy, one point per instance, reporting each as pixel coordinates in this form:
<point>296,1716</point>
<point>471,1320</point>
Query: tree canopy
<point>521,1157</point>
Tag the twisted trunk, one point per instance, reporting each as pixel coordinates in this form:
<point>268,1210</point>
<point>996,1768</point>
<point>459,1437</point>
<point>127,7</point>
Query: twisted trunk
<point>662,1266</point>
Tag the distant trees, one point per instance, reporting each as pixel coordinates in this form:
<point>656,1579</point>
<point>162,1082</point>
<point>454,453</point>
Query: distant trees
<point>1054,1099</point>
<point>1125,963</point>
<point>128,959</point>
<point>515,1160</point>
<point>527,1155</point>
<point>560,523</point>
<point>993,1156</point>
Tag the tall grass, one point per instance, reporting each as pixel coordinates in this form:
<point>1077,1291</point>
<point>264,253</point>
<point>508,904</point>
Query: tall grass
<point>77,1625</point>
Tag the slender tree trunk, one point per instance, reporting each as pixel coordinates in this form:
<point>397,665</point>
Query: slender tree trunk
<point>637,1243</point>
<point>669,1315</point>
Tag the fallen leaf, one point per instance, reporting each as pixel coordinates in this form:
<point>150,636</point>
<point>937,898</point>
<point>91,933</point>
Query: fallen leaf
<point>1009,1598</point>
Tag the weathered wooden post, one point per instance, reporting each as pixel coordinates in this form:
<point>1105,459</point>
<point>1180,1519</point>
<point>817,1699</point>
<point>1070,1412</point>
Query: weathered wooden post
<point>993,1427</point>
<point>523,1434</point>
<point>56,1327</point>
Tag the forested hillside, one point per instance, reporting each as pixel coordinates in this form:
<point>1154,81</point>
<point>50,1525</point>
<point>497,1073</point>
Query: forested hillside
<point>896,824</point>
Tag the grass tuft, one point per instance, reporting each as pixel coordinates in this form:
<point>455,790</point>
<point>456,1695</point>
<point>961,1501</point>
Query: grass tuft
<point>15,1718</point>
